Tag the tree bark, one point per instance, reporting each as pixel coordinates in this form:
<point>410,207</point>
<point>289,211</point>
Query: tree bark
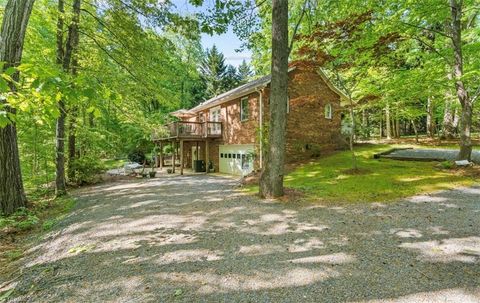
<point>415,130</point>
<point>462,94</point>
<point>12,35</point>
<point>67,52</point>
<point>430,119</point>
<point>388,122</point>
<point>271,181</point>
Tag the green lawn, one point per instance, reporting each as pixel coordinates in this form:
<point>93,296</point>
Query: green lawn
<point>329,180</point>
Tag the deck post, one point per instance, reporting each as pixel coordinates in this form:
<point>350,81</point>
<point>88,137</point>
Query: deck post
<point>161,156</point>
<point>181,157</point>
<point>196,156</point>
<point>206,156</point>
<point>174,151</point>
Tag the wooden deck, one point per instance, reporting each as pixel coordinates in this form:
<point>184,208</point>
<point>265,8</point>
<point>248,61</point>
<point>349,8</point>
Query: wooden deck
<point>190,131</point>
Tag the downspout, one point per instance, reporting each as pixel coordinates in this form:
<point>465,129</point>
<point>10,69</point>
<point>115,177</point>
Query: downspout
<point>260,122</point>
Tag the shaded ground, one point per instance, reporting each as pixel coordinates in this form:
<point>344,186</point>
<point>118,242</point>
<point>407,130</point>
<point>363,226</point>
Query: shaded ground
<point>196,239</point>
<point>440,154</point>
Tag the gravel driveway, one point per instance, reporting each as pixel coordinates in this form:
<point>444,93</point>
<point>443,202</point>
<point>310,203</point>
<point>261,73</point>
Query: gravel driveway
<point>197,239</point>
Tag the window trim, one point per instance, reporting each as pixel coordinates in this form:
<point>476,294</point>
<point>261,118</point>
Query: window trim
<point>242,118</point>
<point>329,110</point>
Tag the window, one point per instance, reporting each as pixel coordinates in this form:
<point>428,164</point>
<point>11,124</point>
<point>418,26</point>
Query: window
<point>328,111</point>
<point>221,155</point>
<point>244,109</point>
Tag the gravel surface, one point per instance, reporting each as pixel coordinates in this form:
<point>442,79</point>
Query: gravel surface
<point>197,239</point>
<point>444,154</point>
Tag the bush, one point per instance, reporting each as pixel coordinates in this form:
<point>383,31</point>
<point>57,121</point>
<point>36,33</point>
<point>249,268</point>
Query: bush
<point>447,165</point>
<point>86,170</point>
<point>22,219</point>
<point>137,156</point>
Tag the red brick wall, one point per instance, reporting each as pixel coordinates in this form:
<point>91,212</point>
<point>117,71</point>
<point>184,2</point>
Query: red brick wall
<point>309,133</point>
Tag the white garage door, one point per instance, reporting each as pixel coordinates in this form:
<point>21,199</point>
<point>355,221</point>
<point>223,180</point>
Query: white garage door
<point>236,159</point>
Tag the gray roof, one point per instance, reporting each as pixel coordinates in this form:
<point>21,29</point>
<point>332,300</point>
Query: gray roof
<point>253,86</point>
<point>242,90</point>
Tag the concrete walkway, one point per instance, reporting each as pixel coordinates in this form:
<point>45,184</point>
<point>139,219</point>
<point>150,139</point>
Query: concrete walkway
<point>197,239</point>
<point>425,154</point>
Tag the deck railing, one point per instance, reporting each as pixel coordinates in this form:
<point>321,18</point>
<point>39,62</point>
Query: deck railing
<point>190,130</point>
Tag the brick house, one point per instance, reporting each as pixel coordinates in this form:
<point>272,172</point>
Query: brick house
<point>227,131</point>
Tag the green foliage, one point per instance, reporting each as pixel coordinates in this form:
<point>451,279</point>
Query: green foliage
<point>137,156</point>
<point>87,170</point>
<point>330,179</point>
<point>447,164</point>
<point>23,219</point>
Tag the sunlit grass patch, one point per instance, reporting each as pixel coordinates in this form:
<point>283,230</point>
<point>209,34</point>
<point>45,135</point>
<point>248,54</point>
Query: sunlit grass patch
<point>332,179</point>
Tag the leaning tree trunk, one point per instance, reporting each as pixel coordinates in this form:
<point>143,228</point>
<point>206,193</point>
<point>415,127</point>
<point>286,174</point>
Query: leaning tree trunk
<point>271,181</point>
<point>462,94</point>
<point>15,20</point>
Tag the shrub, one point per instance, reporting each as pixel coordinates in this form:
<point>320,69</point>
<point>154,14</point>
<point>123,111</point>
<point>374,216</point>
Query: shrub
<point>137,156</point>
<point>447,165</point>
<point>22,219</point>
<point>86,170</point>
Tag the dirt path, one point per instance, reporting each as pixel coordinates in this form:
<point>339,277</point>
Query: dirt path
<point>196,239</point>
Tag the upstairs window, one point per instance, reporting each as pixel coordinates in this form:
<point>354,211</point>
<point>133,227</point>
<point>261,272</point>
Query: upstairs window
<point>328,111</point>
<point>244,109</point>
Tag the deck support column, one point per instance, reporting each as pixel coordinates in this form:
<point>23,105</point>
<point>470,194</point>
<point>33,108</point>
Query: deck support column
<point>206,156</point>
<point>161,156</point>
<point>174,151</point>
<point>181,157</point>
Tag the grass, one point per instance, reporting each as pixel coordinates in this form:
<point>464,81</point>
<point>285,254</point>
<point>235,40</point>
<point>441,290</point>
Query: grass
<point>331,180</point>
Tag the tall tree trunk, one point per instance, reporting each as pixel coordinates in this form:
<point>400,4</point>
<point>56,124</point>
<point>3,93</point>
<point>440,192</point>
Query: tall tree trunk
<point>430,119</point>
<point>415,130</point>
<point>271,181</point>
<point>397,126</point>
<point>380,130</point>
<point>365,124</point>
<point>12,35</point>
<point>462,94</point>
<point>70,46</point>
<point>448,114</point>
<point>388,122</point>
<point>72,143</point>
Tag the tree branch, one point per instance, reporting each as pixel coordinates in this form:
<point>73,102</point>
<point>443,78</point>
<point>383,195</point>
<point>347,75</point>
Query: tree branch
<point>427,29</point>
<point>297,26</point>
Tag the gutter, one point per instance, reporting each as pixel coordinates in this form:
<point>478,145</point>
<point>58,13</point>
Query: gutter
<point>260,121</point>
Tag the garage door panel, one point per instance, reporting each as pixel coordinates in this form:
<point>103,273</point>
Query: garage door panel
<point>236,159</point>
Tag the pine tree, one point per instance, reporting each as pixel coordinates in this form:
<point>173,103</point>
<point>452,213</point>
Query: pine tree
<point>213,70</point>
<point>231,79</point>
<point>244,72</point>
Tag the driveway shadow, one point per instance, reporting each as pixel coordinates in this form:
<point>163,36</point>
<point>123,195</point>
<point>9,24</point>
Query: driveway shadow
<point>196,238</point>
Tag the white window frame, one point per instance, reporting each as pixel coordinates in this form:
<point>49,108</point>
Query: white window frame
<point>328,111</point>
<point>242,118</point>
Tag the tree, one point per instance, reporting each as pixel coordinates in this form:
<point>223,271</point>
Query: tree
<point>244,72</point>
<point>466,102</point>
<point>12,35</point>
<point>271,180</point>
<point>213,71</point>
<point>65,57</point>
<point>231,78</point>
